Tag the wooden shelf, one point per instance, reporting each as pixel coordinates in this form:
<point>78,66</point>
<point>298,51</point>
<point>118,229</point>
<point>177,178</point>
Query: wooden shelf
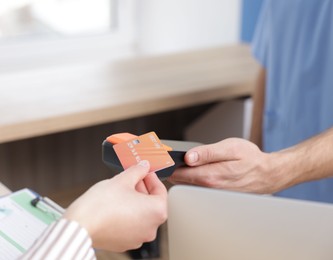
<point>55,99</point>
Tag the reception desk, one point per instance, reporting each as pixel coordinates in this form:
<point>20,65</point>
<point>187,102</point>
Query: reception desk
<point>49,100</point>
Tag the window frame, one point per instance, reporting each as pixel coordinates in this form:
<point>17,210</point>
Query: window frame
<point>24,54</point>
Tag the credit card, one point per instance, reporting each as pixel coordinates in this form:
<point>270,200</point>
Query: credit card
<point>144,147</point>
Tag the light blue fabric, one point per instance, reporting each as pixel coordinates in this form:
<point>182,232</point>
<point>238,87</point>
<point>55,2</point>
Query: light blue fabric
<point>294,42</point>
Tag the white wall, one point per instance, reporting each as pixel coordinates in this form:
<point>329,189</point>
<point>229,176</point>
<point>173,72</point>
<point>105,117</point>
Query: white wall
<point>176,25</point>
<point>166,26</point>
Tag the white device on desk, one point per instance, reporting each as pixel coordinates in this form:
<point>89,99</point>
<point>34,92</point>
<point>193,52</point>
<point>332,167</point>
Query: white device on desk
<point>220,225</point>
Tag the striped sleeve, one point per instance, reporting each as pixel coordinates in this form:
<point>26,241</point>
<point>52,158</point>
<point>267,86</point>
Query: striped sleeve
<point>64,239</point>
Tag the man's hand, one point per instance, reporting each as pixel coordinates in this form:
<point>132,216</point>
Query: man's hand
<point>232,164</point>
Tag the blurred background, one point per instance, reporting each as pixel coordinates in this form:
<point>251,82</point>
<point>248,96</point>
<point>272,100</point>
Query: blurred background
<point>39,35</point>
<point>50,31</point>
<point>49,35</point>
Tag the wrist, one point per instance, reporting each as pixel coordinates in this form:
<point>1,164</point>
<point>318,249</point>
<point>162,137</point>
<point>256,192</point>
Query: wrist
<point>283,171</point>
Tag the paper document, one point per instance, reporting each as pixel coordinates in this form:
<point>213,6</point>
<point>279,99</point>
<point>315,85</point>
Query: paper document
<point>21,223</point>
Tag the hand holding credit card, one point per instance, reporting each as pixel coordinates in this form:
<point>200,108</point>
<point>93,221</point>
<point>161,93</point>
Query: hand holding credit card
<point>150,149</point>
<point>144,147</point>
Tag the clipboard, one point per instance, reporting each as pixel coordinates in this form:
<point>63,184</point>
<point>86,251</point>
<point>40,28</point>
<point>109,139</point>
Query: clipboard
<point>24,215</point>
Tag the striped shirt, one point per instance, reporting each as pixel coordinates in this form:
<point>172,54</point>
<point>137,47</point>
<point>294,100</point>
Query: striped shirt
<point>63,239</point>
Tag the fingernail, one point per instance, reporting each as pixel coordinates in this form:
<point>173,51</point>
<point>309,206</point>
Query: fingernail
<point>144,163</point>
<point>193,157</point>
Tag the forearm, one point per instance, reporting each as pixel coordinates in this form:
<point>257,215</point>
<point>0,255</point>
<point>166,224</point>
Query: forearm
<point>307,161</point>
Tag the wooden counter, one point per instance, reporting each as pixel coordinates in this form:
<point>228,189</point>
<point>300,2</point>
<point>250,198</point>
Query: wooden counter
<point>55,99</point>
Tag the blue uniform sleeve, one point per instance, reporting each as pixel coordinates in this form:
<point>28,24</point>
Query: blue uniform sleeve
<point>260,42</point>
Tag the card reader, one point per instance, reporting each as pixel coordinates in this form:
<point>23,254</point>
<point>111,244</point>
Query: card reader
<point>176,149</point>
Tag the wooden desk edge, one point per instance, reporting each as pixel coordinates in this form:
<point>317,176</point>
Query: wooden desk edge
<point>110,113</point>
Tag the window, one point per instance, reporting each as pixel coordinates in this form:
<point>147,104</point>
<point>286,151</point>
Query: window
<point>39,31</point>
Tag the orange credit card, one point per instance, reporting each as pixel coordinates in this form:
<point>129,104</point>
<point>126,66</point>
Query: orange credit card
<point>144,147</point>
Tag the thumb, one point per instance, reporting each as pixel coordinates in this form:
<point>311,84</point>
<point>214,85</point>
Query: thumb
<point>210,153</point>
<point>136,173</point>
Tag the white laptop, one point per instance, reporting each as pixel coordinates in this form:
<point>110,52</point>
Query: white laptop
<point>209,224</point>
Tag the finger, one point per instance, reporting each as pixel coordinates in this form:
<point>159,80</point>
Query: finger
<point>141,187</point>
<point>136,173</point>
<point>154,185</point>
<point>201,176</point>
<point>185,175</point>
<point>211,153</point>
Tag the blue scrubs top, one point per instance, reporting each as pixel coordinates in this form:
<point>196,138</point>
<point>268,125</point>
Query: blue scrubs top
<point>294,42</point>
